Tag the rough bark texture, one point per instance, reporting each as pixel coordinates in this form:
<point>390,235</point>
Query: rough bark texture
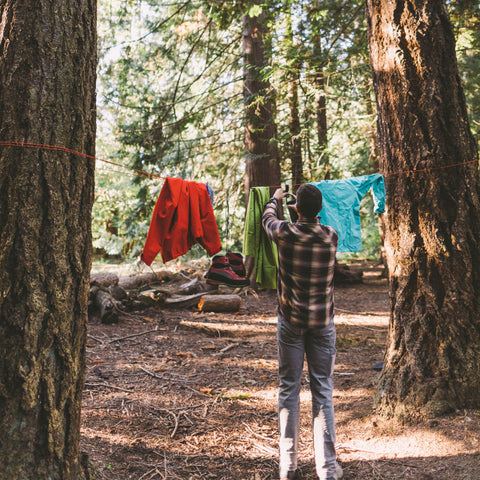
<point>294,125</point>
<point>317,67</point>
<point>432,362</point>
<point>295,130</point>
<point>47,96</point>
<point>262,165</point>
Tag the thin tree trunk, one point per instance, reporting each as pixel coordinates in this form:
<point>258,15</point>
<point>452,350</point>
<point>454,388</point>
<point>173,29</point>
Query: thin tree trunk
<point>47,96</point>
<point>262,164</point>
<point>317,67</point>
<point>374,160</point>
<point>294,116</point>
<point>432,362</point>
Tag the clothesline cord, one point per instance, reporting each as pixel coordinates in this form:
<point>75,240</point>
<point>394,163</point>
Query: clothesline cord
<point>148,174</point>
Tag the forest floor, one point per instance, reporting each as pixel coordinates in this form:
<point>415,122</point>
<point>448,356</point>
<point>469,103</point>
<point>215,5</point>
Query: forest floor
<point>164,400</point>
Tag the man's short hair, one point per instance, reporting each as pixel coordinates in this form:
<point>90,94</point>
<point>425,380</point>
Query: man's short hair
<point>309,200</point>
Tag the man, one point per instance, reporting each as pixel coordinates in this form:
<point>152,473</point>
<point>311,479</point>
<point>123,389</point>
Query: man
<point>306,255</point>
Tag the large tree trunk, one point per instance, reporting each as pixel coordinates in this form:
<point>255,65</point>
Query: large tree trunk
<point>432,362</point>
<point>47,96</point>
<point>262,165</point>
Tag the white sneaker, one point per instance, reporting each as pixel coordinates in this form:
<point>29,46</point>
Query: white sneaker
<point>338,471</point>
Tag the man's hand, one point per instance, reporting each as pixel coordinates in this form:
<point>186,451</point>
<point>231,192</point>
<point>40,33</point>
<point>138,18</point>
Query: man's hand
<point>280,193</point>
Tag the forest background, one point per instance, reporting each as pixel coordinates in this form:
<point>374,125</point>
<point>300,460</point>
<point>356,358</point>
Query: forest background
<point>171,102</point>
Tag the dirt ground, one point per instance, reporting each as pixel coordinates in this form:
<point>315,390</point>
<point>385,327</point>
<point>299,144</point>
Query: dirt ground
<point>169,400</point>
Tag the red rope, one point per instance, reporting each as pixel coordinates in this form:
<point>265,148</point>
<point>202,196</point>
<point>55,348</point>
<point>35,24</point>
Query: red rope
<point>74,152</point>
<point>144,173</point>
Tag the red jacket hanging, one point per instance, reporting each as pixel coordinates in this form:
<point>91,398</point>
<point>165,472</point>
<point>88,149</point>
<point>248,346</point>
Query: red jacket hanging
<point>182,217</point>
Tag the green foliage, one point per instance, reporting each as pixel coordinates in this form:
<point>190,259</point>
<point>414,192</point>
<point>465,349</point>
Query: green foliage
<point>171,102</point>
<point>466,17</point>
<point>121,224</point>
<point>255,11</point>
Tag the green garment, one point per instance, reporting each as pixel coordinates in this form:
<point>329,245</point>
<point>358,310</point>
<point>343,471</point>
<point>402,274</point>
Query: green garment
<point>256,242</point>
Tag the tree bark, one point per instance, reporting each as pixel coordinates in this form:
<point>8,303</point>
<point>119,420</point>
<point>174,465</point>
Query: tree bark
<point>432,362</point>
<point>47,97</point>
<point>317,66</point>
<point>262,164</point>
<point>294,111</point>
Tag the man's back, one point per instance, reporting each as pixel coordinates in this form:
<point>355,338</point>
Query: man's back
<point>306,253</point>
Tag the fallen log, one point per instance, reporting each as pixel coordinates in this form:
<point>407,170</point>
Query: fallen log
<point>219,303</point>
<point>183,301</point>
<point>151,298</point>
<point>104,279</point>
<point>103,305</point>
<point>117,292</point>
<point>134,282</point>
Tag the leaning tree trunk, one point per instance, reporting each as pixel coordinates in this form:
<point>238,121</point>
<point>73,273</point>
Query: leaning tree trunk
<point>47,97</point>
<point>432,362</point>
<point>262,164</point>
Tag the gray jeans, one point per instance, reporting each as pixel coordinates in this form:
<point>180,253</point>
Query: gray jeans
<point>319,347</point>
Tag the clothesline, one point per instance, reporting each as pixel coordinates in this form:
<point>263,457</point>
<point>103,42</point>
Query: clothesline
<point>143,173</point>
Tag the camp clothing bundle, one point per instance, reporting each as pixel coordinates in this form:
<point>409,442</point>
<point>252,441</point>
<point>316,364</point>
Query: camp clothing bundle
<point>183,216</point>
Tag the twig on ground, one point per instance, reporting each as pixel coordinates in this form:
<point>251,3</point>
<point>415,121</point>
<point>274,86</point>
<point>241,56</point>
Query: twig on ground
<point>229,347</point>
<point>265,448</point>
<point>107,385</point>
<point>95,338</point>
<point>256,434</point>
<point>185,407</point>
<point>177,419</point>
<point>133,335</point>
<point>180,378</point>
<point>252,292</point>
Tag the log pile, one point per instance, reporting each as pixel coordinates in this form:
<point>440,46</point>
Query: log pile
<point>111,295</point>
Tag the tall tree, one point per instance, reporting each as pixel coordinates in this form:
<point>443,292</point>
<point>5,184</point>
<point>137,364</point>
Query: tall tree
<point>47,97</point>
<point>262,165</point>
<point>317,65</point>
<point>432,362</point>
<point>294,66</point>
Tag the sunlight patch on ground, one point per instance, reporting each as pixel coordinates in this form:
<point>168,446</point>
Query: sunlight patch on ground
<point>352,393</point>
<point>370,319</point>
<point>270,320</point>
<point>414,444</point>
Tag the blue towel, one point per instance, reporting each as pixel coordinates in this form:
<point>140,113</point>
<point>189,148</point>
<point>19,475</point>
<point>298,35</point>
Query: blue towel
<point>341,206</point>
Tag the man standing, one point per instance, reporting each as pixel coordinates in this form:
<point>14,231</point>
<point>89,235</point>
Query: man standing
<point>306,255</point>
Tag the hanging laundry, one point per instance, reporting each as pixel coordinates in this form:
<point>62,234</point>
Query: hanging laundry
<point>341,206</point>
<point>256,242</point>
<point>211,193</point>
<point>183,216</point>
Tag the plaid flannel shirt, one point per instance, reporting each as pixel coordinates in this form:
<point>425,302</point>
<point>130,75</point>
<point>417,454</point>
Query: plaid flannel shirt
<point>306,256</point>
